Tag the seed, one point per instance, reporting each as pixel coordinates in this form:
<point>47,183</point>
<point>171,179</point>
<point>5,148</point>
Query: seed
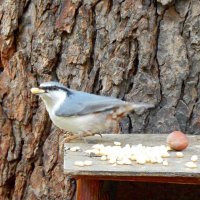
<point>103,157</point>
<point>76,148</point>
<point>159,160</point>
<point>141,160</point>
<point>127,146</point>
<point>112,157</point>
<point>79,163</point>
<point>120,162</point>
<point>179,154</point>
<point>117,143</point>
<point>165,163</point>
<point>132,157</point>
<point>194,158</point>
<point>153,160</point>
<point>191,165</point>
<point>88,162</point>
<point>98,146</point>
<point>126,161</point>
<point>165,155</point>
<point>93,152</point>
<point>112,161</point>
<point>169,148</point>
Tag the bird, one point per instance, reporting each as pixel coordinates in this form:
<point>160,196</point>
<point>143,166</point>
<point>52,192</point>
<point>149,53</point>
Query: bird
<point>80,112</point>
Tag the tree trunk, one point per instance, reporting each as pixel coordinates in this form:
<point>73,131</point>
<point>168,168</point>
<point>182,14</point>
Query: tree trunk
<point>135,50</point>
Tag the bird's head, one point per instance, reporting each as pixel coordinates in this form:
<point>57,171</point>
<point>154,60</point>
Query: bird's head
<point>51,92</point>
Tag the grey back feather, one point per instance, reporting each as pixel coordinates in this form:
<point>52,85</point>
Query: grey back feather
<point>80,103</point>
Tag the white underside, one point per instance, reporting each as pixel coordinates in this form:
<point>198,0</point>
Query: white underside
<point>75,124</point>
<point>78,124</point>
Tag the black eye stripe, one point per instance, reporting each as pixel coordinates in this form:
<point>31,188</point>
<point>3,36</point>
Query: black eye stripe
<point>55,88</point>
<point>50,88</point>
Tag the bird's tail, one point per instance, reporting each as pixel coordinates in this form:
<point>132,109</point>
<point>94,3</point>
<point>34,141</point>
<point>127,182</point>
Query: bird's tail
<point>125,108</point>
<point>139,108</point>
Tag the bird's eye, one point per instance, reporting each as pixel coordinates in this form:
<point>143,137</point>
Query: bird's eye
<point>54,88</point>
<point>50,88</point>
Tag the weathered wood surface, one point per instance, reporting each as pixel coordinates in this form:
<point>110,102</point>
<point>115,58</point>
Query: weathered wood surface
<point>176,167</point>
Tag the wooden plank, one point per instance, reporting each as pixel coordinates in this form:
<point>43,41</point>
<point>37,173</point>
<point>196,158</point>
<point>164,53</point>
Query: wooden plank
<point>176,167</point>
<point>155,179</point>
<point>88,189</point>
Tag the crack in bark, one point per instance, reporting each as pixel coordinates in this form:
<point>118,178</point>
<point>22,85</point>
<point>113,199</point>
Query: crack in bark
<point>93,42</point>
<point>194,105</point>
<point>186,17</point>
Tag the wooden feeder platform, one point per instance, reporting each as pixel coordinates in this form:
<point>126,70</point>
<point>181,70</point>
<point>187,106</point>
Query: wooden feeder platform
<point>90,178</point>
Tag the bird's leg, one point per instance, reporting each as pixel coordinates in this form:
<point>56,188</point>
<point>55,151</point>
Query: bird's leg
<point>99,134</point>
<point>59,131</point>
<point>86,134</point>
<point>71,136</point>
<point>116,128</point>
<point>89,133</point>
<point>113,119</point>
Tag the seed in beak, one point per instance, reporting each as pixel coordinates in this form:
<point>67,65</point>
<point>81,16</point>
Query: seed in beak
<point>37,91</point>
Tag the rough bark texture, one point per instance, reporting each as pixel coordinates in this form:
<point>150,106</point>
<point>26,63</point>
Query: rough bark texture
<point>138,50</point>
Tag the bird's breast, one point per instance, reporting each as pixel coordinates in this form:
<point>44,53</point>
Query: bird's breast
<point>77,124</point>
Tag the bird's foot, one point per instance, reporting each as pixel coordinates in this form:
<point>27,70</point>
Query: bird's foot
<point>98,134</point>
<point>86,134</point>
<point>71,136</point>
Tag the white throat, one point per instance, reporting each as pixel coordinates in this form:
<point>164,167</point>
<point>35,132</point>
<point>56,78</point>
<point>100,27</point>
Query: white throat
<point>53,100</point>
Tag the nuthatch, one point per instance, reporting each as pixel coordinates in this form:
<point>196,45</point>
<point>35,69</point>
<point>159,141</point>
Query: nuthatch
<point>81,112</point>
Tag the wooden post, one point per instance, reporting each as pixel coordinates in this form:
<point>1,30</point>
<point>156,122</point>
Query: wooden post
<point>88,189</point>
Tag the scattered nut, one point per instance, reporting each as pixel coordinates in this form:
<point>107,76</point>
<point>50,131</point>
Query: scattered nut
<point>98,146</point>
<point>88,162</point>
<point>112,161</point>
<point>112,157</point>
<point>191,165</point>
<point>93,152</point>
<point>127,161</point>
<point>79,163</point>
<point>179,154</point>
<point>159,160</point>
<point>165,155</point>
<point>124,155</point>
<point>76,148</point>
<point>120,162</point>
<point>165,163</point>
<point>194,158</point>
<point>169,148</point>
<point>103,157</point>
<point>177,140</point>
<point>117,143</point>
<point>153,160</point>
<point>141,160</point>
<point>132,157</point>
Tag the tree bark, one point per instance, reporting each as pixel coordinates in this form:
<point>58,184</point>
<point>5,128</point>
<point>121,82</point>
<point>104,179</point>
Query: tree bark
<point>135,50</point>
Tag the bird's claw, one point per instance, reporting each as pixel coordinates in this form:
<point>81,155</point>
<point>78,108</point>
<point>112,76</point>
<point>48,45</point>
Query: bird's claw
<point>71,136</point>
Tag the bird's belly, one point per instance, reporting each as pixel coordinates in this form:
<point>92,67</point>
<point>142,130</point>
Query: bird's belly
<point>78,124</point>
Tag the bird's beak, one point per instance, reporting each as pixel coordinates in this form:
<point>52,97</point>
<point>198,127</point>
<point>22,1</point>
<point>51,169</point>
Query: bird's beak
<point>37,91</point>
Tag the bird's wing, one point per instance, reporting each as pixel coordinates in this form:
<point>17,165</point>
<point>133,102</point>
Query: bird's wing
<point>81,103</point>
<point>73,108</point>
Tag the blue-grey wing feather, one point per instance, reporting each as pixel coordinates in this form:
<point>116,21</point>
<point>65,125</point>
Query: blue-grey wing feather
<point>80,103</point>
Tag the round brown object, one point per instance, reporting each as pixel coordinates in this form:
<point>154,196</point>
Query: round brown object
<point>177,140</point>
